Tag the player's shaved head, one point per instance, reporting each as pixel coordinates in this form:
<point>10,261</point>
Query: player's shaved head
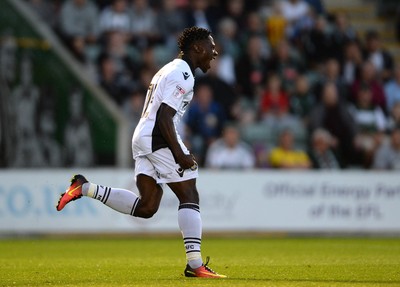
<point>191,35</point>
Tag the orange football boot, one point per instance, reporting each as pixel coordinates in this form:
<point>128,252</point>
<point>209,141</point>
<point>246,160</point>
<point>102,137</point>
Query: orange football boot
<point>73,192</point>
<point>203,271</point>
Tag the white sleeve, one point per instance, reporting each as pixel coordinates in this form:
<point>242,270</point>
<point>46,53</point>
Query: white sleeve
<point>174,92</point>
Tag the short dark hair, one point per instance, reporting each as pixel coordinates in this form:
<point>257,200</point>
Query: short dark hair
<point>191,35</point>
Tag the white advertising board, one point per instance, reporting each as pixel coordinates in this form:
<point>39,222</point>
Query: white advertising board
<point>242,201</point>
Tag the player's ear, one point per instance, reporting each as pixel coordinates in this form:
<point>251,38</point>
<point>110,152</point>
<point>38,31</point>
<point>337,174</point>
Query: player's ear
<point>197,48</point>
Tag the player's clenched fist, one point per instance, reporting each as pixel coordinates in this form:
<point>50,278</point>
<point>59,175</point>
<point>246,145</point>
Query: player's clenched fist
<point>187,161</point>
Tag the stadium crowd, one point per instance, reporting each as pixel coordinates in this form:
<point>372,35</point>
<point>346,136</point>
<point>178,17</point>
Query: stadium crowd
<point>293,86</point>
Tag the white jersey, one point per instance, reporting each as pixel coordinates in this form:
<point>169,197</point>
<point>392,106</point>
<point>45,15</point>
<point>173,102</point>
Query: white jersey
<point>172,85</point>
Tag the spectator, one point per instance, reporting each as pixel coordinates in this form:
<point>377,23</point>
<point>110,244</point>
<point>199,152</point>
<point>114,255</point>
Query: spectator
<point>285,156</point>
<point>392,90</point>
<point>251,69</point>
<point>229,152</point>
<point>78,49</point>
<point>286,65</point>
<point>317,6</point>
<point>342,34</point>
<point>223,92</point>
<point>295,13</point>
<point>371,124</point>
<point>351,63</point>
<point>334,116</point>
<point>145,76</point>
<point>274,100</point>
<point>205,119</point>
<point>343,28</point>
<point>224,66</point>
<point>318,42</point>
<point>388,155</point>
<point>302,101</point>
<point>149,60</point>
<point>110,80</point>
<point>79,25</point>
<point>276,25</point>
<point>331,74</point>
<point>227,38</point>
<point>369,79</point>
<point>368,116</point>
<point>115,18</point>
<point>394,117</point>
<point>117,49</point>
<point>170,22</point>
<point>144,30</point>
<point>274,107</point>
<point>380,58</point>
<point>234,9</point>
<point>201,15</point>
<point>255,27</point>
<point>321,153</point>
<point>294,10</point>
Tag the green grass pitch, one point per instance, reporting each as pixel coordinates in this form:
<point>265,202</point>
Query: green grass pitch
<point>160,262</point>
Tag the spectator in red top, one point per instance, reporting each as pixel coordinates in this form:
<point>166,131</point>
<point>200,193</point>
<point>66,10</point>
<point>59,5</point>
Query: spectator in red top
<point>369,79</point>
<point>274,100</point>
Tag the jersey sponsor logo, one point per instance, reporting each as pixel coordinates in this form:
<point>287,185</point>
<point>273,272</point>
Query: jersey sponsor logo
<point>180,171</point>
<point>180,89</point>
<point>179,92</point>
<point>185,75</point>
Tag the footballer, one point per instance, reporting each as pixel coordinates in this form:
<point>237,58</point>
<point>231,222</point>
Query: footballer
<point>160,154</point>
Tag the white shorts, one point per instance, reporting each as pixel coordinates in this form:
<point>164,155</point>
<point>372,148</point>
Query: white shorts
<point>161,166</point>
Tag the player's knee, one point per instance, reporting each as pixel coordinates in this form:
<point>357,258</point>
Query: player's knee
<point>146,211</point>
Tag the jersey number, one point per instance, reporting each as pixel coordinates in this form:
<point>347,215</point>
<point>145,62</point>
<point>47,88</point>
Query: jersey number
<point>149,99</point>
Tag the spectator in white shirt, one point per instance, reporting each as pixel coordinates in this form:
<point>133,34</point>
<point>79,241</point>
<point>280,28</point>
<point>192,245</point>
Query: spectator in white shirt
<point>296,12</point>
<point>229,152</point>
<point>371,123</point>
<point>115,18</point>
<point>79,19</point>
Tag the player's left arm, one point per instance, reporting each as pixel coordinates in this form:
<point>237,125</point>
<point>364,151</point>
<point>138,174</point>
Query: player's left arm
<point>165,117</point>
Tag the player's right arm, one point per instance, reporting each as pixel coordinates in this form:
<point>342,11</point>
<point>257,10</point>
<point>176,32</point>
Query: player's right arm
<point>165,121</point>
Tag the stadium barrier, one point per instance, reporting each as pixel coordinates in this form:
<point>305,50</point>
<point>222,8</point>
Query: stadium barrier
<point>243,201</point>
